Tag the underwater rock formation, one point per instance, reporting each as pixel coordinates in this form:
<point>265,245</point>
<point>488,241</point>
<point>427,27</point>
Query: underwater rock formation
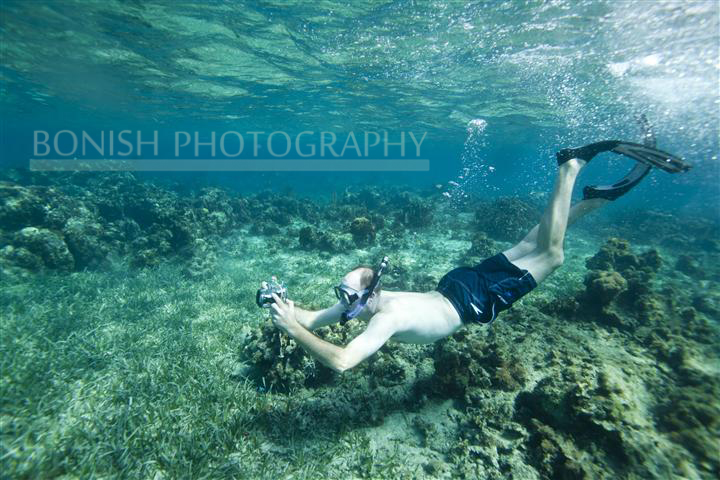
<point>310,238</point>
<point>482,247</point>
<point>708,303</point>
<point>507,218</point>
<point>675,326</point>
<point>363,231</point>
<point>281,209</point>
<point>619,286</point>
<point>583,413</point>
<point>398,276</point>
<point>690,415</point>
<point>149,249</point>
<point>17,260</point>
<point>617,255</point>
<point>604,285</point>
<point>20,206</point>
<point>279,364</point>
<point>464,363</point>
<point>78,224</point>
<point>203,260</point>
<point>85,239</point>
<point>669,230</point>
<point>412,211</point>
<point>395,376</point>
<point>401,276</point>
<point>367,198</point>
<point>689,266</point>
<point>307,238</point>
<point>47,245</point>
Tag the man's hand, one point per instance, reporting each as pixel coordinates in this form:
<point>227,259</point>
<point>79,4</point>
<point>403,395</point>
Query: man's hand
<point>283,314</point>
<point>379,330</point>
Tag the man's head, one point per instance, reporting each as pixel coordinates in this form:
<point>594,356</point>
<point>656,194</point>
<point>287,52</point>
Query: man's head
<point>359,289</point>
<point>354,286</point>
<point>359,277</point>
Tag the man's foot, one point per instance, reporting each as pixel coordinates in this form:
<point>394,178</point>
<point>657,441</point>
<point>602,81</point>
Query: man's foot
<point>573,164</point>
<point>585,153</point>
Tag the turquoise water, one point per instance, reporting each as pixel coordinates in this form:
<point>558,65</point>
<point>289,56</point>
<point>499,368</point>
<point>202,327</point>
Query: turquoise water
<point>541,74</point>
<point>131,343</point>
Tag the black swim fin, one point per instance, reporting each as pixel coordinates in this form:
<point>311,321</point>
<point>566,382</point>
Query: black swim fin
<point>641,153</point>
<point>652,156</point>
<point>619,188</point>
<point>587,152</point>
<point>646,155</point>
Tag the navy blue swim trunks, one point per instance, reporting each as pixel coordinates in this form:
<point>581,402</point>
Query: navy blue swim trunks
<point>479,293</point>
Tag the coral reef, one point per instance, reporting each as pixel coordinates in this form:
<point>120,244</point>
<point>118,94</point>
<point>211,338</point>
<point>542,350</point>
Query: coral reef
<point>324,241</point>
<point>619,286</point>
<point>575,412</point>
<point>363,231</point>
<point>279,364</point>
<point>75,225</point>
<point>666,229</point>
<point>689,266</point>
<point>203,259</point>
<point>586,404</point>
<point>507,218</point>
<point>400,276</point>
<point>481,248</point>
<point>607,370</point>
<point>691,417</point>
<point>49,247</point>
<point>465,363</point>
<point>21,206</point>
<point>413,211</point>
<point>604,286</point>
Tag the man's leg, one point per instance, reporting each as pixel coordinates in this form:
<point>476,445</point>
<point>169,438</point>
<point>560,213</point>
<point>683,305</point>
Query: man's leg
<point>577,211</point>
<point>541,251</point>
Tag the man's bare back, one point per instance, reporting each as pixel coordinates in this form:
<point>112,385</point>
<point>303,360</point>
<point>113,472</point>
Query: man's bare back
<point>418,317</point>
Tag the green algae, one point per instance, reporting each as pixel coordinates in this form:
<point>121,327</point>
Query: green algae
<point>165,367</point>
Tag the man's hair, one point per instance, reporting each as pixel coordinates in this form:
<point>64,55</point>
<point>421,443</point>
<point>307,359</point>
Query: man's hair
<point>367,274</point>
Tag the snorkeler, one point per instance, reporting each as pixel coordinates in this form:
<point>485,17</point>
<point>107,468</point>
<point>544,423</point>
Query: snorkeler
<point>466,294</point>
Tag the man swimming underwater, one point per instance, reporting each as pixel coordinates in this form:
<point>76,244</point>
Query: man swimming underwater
<point>467,294</point>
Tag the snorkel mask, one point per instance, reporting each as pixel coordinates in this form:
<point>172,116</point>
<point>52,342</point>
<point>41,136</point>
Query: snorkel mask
<point>348,295</point>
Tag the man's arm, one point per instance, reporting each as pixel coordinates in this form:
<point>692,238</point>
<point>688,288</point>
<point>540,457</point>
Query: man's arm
<point>378,332</point>
<point>314,320</point>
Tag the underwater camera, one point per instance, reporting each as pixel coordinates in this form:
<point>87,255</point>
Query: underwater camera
<point>264,298</point>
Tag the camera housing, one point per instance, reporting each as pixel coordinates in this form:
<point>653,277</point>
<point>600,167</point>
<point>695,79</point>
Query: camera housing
<point>264,298</point>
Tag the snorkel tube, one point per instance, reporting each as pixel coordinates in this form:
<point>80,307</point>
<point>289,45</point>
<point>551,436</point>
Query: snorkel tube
<point>350,314</point>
